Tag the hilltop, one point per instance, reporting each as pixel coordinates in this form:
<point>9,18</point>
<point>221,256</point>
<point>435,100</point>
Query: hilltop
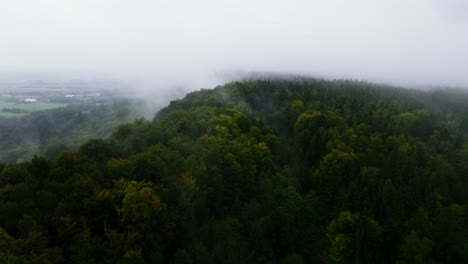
<point>258,171</point>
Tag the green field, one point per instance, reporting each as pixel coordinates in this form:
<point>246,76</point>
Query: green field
<point>30,107</point>
<point>7,114</point>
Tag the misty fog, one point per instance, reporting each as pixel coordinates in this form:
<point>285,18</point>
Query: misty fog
<point>185,45</point>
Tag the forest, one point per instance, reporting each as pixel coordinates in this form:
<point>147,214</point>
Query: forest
<point>255,171</point>
<point>49,132</point>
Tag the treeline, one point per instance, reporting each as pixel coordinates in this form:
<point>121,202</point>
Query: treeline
<point>303,171</point>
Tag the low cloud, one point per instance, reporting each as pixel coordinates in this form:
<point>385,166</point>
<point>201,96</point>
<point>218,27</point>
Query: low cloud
<point>185,45</point>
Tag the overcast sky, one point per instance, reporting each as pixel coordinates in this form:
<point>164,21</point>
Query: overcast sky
<point>199,43</point>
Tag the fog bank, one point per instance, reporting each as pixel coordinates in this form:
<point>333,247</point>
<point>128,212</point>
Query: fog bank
<point>185,45</point>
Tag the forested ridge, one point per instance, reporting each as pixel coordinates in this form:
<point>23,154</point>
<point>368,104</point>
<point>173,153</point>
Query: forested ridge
<point>265,171</point>
<point>50,132</point>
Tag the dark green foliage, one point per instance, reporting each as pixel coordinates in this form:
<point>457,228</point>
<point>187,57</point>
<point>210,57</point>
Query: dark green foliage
<point>98,149</point>
<point>268,171</point>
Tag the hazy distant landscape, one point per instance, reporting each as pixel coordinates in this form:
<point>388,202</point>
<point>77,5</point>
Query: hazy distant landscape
<point>22,98</point>
<point>42,118</point>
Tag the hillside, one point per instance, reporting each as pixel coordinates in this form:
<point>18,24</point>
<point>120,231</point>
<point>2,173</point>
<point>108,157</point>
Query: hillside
<point>266,171</point>
<point>48,132</point>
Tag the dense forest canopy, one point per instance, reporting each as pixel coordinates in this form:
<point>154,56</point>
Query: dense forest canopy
<point>266,171</point>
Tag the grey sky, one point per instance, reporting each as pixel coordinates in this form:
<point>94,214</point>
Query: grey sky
<point>194,43</point>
